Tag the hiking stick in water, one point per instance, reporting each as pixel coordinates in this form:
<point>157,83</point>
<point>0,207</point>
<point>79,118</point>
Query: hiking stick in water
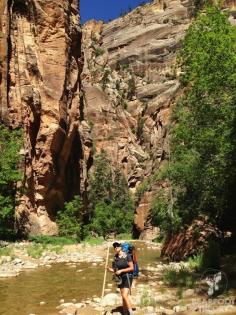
<point>105,273</point>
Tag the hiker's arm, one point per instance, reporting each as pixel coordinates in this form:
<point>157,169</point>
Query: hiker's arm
<point>110,269</point>
<point>129,269</point>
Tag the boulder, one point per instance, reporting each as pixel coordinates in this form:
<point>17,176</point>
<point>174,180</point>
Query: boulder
<point>111,299</point>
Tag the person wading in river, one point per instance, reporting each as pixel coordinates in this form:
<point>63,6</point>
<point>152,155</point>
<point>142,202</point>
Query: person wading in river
<point>123,267</point>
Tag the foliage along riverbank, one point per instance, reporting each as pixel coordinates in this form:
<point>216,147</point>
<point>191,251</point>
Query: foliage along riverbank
<point>201,171</point>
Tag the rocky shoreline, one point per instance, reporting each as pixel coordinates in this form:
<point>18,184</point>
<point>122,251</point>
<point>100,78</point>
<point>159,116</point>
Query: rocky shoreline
<point>20,260</point>
<point>150,295</point>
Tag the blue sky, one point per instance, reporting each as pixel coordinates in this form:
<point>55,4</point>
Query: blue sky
<point>105,9</point>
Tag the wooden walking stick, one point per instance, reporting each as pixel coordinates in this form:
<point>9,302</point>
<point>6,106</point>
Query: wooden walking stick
<point>105,273</point>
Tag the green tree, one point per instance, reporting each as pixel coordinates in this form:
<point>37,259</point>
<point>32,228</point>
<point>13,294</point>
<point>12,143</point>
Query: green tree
<point>110,218</point>
<point>111,203</point>
<point>101,180</point>
<point>69,219</point>
<point>121,195</point>
<point>202,167</point>
<point>10,174</point>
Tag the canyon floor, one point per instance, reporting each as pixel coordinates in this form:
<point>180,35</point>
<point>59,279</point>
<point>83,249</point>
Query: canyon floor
<point>150,293</point>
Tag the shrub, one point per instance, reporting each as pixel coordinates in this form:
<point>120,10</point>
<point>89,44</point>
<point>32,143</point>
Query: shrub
<point>69,220</point>
<point>163,215</point>
<point>182,278</point>
<point>109,218</point>
<point>208,258</point>
<point>142,188</point>
<point>112,206</point>
<point>58,249</point>
<point>35,250</point>
<point>141,124</point>
<point>93,240</point>
<point>131,88</point>
<point>99,51</point>
<point>105,78</point>
<point>7,234</point>
<point>53,240</point>
<point>147,300</point>
<point>196,262</point>
<point>101,180</point>
<point>10,143</point>
<point>124,236</point>
<point>7,251</point>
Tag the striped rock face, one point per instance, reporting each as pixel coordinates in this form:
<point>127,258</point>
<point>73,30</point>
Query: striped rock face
<point>74,92</point>
<point>40,87</point>
<point>129,83</point>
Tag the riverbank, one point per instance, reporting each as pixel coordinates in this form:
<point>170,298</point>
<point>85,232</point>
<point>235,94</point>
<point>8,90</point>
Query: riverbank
<point>26,255</point>
<point>151,294</point>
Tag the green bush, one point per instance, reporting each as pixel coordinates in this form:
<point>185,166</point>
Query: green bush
<point>105,78</point>
<point>35,250</point>
<point>10,144</point>
<point>8,234</point>
<point>93,240</point>
<point>196,262</point>
<point>181,278</point>
<point>147,299</point>
<point>101,180</point>
<point>163,215</point>
<point>7,251</point>
<point>69,219</point>
<point>53,240</point>
<point>208,258</point>
<point>124,236</point>
<point>109,218</point>
<point>112,206</point>
<point>99,51</point>
<point>58,249</point>
<point>131,88</point>
<point>142,188</point>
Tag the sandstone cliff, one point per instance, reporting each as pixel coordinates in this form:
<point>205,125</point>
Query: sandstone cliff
<point>40,94</point>
<point>129,84</point>
<point>73,93</point>
<point>129,81</point>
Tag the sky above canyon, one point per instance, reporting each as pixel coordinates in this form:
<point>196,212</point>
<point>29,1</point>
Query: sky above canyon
<point>106,9</point>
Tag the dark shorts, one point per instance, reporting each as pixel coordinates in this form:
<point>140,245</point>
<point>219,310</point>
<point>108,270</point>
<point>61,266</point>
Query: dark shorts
<point>126,281</point>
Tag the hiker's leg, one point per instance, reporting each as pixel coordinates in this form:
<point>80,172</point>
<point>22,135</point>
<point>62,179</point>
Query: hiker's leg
<point>125,298</point>
<point>125,307</point>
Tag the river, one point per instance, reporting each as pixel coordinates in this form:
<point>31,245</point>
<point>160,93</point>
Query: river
<point>69,282</point>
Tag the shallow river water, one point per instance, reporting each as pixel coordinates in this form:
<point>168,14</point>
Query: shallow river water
<point>22,295</point>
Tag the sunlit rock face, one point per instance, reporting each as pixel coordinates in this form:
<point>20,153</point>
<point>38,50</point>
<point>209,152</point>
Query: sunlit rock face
<point>110,86</point>
<point>4,20</point>
<point>41,94</point>
<point>129,82</point>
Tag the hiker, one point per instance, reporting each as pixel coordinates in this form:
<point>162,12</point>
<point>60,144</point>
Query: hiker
<point>123,268</point>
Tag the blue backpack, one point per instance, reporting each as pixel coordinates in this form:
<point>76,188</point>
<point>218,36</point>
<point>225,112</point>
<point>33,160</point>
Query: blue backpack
<point>130,249</point>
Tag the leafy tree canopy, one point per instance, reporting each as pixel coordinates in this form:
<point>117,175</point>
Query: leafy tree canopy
<point>202,169</point>
<point>112,206</point>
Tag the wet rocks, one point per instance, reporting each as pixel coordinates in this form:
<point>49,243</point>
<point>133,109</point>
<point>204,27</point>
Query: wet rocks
<point>8,273</point>
<point>11,267</point>
<point>111,299</point>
